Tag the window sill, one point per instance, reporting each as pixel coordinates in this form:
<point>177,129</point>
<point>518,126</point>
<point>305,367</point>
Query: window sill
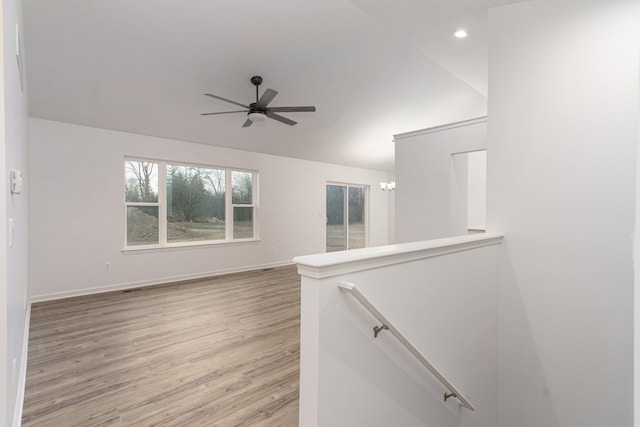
<point>184,246</point>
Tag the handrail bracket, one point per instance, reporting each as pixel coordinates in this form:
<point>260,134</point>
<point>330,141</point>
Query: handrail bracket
<point>448,395</point>
<point>378,329</point>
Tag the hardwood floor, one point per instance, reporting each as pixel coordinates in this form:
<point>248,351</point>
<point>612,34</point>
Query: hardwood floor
<point>223,351</point>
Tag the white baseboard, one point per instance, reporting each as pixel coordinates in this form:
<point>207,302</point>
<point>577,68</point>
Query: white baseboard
<point>22,379</point>
<point>152,282</point>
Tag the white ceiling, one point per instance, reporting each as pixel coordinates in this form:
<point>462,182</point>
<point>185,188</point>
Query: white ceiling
<point>373,68</point>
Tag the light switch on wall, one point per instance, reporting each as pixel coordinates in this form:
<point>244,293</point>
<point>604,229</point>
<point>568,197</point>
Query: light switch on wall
<point>16,181</point>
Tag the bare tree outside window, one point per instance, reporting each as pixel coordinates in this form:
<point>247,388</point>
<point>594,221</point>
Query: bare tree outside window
<point>346,222</point>
<point>193,204</point>
<point>141,197</point>
<point>141,181</point>
<point>242,187</point>
<point>242,201</point>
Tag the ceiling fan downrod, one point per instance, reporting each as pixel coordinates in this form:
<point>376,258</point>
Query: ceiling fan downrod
<point>256,81</point>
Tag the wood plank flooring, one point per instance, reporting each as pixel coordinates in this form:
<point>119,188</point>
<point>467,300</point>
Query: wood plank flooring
<point>223,351</point>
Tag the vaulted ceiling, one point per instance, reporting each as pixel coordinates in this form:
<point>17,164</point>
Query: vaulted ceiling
<point>373,68</point>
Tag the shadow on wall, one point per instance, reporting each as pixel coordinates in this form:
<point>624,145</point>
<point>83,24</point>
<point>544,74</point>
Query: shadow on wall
<point>515,327</point>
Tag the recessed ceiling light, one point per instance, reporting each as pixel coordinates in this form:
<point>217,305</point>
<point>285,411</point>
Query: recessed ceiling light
<point>460,34</point>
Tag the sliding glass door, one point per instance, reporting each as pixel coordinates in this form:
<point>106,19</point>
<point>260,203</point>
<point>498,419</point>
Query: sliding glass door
<point>346,217</point>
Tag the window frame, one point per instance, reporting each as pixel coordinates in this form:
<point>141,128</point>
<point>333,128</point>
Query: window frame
<point>162,207</point>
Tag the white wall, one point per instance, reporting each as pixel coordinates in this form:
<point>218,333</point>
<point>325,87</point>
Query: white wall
<point>77,219</point>
<point>477,190</point>
<point>13,264</point>
<point>349,378</point>
<point>4,304</point>
<point>563,110</point>
<point>458,192</point>
<point>392,210</point>
<point>636,269</point>
<point>425,206</point>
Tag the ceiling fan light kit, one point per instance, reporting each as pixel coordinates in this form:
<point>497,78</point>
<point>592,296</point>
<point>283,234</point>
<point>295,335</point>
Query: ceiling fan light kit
<point>461,33</point>
<point>259,111</point>
<point>257,117</point>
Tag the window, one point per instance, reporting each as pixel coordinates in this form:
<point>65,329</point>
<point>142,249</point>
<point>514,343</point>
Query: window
<point>195,204</point>
<point>172,204</point>
<point>242,202</point>
<point>141,201</point>
<point>346,225</point>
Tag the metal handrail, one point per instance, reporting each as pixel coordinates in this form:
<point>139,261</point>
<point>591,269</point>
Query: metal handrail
<point>387,325</point>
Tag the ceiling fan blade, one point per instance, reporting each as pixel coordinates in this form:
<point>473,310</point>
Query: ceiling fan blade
<point>224,112</point>
<point>226,100</point>
<point>247,123</point>
<point>280,118</point>
<point>266,98</point>
<point>293,109</point>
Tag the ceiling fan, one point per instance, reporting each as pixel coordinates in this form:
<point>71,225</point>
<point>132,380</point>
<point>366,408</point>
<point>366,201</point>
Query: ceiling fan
<point>258,111</point>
